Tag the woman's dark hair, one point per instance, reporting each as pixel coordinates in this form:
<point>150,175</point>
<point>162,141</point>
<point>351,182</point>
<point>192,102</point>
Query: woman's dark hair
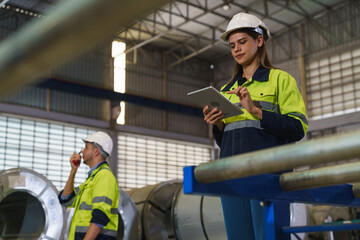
<point>263,56</point>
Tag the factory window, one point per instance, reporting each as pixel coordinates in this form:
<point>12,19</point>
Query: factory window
<point>147,160</point>
<point>334,85</point>
<point>43,147</point>
<point>118,53</point>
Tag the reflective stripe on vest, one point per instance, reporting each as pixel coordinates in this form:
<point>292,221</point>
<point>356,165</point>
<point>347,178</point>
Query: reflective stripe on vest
<point>84,206</point>
<point>275,108</point>
<point>242,124</point>
<point>301,116</point>
<point>107,232</point>
<point>102,199</point>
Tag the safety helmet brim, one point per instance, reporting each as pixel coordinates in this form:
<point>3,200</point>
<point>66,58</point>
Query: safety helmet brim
<point>101,139</point>
<point>245,21</point>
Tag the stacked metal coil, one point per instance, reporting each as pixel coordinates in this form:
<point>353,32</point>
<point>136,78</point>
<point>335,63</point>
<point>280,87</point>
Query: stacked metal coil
<point>29,206</point>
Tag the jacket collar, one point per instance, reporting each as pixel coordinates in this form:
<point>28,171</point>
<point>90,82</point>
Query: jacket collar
<point>261,75</point>
<point>95,167</point>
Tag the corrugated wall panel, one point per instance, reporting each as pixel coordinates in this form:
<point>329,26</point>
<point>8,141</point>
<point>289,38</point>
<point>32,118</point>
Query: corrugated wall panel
<point>292,67</point>
<point>80,70</point>
<point>284,46</point>
<point>185,79</point>
<point>186,124</point>
<point>224,71</point>
<point>146,78</point>
<point>78,105</point>
<point>339,26</point>
<point>335,27</point>
<point>91,68</point>
<point>31,97</point>
<point>140,116</point>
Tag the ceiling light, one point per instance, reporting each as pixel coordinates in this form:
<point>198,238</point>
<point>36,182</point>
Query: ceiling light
<point>226,6</point>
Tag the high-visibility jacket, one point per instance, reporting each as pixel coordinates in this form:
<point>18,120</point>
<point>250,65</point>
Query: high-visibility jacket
<point>284,115</point>
<point>95,201</point>
<point>283,121</point>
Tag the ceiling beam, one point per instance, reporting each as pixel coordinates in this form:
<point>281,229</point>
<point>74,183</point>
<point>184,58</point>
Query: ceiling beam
<point>263,15</point>
<point>188,19</point>
<point>203,49</point>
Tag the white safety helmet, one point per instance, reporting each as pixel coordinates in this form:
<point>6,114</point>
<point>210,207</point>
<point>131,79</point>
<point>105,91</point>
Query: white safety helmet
<point>245,20</point>
<point>101,139</point>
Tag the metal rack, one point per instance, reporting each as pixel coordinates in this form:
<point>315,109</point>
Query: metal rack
<point>223,178</point>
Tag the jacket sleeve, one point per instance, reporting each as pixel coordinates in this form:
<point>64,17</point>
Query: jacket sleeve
<point>291,123</point>
<point>68,201</point>
<point>218,134</point>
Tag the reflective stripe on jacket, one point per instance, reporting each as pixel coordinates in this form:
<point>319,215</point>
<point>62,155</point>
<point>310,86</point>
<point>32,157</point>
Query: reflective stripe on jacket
<point>96,201</point>
<point>284,116</point>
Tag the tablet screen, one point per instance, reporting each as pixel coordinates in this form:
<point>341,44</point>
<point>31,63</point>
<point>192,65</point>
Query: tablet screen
<point>211,97</point>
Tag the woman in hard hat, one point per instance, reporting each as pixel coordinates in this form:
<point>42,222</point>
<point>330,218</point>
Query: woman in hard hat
<point>274,114</point>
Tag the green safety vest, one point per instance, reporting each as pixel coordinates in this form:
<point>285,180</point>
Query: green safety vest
<point>277,93</point>
<point>100,191</point>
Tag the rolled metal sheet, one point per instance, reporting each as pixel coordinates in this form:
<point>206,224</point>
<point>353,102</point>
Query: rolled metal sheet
<point>29,206</point>
<point>308,153</point>
<point>198,217</point>
<point>168,213</point>
<point>68,30</point>
<point>129,227</point>
<point>154,204</point>
<point>321,177</point>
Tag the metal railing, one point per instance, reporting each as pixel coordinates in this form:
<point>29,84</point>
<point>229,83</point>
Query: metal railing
<point>287,157</point>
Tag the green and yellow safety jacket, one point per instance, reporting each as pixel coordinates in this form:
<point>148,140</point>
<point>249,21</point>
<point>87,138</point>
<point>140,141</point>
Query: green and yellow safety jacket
<point>95,201</point>
<point>283,113</point>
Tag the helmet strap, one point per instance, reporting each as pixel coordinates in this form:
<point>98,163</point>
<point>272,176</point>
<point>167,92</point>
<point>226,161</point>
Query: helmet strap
<point>259,30</point>
<point>101,150</point>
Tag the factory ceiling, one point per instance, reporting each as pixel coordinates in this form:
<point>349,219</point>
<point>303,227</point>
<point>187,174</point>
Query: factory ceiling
<point>190,28</point>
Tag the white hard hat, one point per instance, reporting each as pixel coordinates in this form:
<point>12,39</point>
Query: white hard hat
<point>101,139</point>
<point>245,20</point>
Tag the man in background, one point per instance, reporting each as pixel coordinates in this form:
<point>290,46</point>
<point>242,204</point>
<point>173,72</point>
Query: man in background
<point>95,202</point>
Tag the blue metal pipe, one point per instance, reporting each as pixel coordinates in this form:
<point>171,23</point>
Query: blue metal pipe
<point>322,228</point>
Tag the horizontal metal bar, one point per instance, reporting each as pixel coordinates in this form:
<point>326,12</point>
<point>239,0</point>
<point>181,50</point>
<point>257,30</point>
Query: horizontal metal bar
<point>322,228</point>
<point>277,159</point>
<point>69,29</point>
<point>102,93</point>
<point>333,122</point>
<point>266,187</point>
<point>321,177</point>
<point>53,116</point>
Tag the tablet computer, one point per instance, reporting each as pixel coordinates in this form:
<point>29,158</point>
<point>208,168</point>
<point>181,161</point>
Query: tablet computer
<point>211,97</point>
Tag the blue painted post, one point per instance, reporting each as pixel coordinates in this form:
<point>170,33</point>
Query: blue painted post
<point>269,219</point>
<point>276,216</point>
